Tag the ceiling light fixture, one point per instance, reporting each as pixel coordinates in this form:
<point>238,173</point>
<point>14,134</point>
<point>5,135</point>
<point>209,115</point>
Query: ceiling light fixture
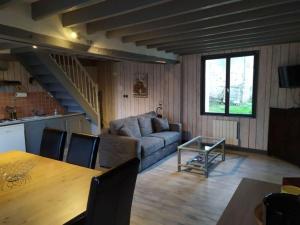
<point>74,35</point>
<point>161,61</point>
<point>34,46</point>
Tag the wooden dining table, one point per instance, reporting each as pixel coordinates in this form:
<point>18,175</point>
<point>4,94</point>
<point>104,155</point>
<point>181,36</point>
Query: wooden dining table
<point>39,191</point>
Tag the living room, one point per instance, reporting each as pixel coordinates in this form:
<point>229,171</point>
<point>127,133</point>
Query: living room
<point>150,112</point>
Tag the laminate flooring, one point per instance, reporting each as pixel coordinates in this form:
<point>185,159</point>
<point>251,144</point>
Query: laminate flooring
<point>164,196</point>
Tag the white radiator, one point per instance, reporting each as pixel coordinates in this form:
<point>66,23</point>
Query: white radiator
<point>226,129</point>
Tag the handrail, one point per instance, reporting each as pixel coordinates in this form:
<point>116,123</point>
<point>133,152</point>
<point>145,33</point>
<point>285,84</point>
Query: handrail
<point>79,77</point>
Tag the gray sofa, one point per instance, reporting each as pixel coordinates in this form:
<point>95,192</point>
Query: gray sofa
<point>149,146</point>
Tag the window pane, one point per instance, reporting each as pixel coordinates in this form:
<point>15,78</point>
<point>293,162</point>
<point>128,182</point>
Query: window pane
<point>215,83</point>
<point>241,85</point>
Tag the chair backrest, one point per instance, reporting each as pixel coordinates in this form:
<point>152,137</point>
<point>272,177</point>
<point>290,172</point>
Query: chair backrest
<point>111,195</point>
<point>83,149</point>
<point>53,143</point>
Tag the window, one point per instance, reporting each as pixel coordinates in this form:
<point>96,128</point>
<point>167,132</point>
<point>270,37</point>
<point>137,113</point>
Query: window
<point>229,84</point>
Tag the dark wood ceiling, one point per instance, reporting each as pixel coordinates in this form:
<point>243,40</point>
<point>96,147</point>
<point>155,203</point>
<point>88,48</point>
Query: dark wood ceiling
<point>182,26</point>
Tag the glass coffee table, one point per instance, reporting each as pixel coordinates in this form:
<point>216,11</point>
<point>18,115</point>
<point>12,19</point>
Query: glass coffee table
<point>207,150</point>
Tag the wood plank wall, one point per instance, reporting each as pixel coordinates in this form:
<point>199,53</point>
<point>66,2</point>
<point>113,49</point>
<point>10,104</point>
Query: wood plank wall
<point>253,132</point>
<point>178,88</point>
<point>116,80</point>
<point>17,72</point>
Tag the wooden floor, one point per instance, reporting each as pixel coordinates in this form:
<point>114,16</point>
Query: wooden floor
<point>165,197</point>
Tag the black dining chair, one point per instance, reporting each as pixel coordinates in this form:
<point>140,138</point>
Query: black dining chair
<point>83,149</point>
<point>110,197</point>
<point>53,143</point>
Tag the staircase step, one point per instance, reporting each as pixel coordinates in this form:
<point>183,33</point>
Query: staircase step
<point>62,95</point>
<point>54,87</point>
<point>69,103</point>
<point>47,79</point>
<point>39,70</point>
<point>75,109</point>
<point>31,61</point>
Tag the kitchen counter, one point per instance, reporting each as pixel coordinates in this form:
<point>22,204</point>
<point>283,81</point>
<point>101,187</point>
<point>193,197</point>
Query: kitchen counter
<point>37,118</point>
<point>34,127</point>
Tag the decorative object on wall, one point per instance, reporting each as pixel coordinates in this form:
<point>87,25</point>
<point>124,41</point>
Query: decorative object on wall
<point>159,111</point>
<point>140,85</point>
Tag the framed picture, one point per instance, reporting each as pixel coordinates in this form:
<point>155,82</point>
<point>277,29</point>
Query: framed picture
<point>140,85</point>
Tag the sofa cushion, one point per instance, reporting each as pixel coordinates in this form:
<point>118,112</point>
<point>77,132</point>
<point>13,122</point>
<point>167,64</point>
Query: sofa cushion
<point>160,124</point>
<point>150,145</point>
<point>169,137</point>
<point>125,131</point>
<point>145,123</point>
<point>131,123</point>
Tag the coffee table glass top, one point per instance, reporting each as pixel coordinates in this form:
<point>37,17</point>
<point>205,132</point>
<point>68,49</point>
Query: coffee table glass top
<point>202,144</point>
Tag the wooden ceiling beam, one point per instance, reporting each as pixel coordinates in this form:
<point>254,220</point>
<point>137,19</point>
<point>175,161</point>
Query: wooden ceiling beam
<point>10,45</point>
<point>13,34</point>
<point>172,8</point>
<point>225,36</point>
<point>257,35</point>
<point>105,10</point>
<point>224,10</point>
<point>239,45</point>
<point>244,26</point>
<point>41,9</point>
<point>269,36</point>
<point>259,14</point>
<point>4,3</point>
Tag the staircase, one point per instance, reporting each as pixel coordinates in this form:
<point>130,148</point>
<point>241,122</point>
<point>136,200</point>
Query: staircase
<point>65,79</point>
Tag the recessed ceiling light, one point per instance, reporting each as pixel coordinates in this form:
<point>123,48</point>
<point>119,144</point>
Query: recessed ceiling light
<point>161,61</point>
<point>74,35</point>
<point>34,46</point>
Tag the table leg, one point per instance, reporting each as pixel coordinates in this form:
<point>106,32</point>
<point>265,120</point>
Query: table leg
<point>179,159</point>
<point>223,151</point>
<point>206,165</point>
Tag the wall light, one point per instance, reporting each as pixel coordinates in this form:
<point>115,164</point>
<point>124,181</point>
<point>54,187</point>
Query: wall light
<point>34,46</point>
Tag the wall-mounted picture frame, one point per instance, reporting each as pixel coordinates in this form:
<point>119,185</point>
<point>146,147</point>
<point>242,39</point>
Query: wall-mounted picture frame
<point>140,85</point>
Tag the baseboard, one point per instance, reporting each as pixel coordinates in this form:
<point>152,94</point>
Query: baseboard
<point>242,149</point>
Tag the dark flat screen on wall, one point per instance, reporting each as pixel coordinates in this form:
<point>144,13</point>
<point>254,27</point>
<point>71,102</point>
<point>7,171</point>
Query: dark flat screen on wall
<point>289,76</point>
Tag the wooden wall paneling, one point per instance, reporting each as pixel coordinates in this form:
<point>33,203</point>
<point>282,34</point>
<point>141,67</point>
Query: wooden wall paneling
<point>292,54</point>
<point>198,94</point>
<point>244,132</point>
<point>176,92</point>
<point>276,49</point>
<point>261,92</point>
<point>252,133</point>
<point>195,97</point>
<point>185,70</point>
<point>282,94</point>
<point>294,50</point>
<point>267,96</point>
<point>191,93</point>
<point>114,91</point>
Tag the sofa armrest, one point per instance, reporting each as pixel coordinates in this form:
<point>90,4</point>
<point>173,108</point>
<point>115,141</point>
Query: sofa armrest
<point>115,149</point>
<point>175,127</point>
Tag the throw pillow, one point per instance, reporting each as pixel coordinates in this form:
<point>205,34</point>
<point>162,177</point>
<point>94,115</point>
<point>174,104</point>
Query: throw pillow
<point>125,131</point>
<point>161,124</point>
<point>145,125</point>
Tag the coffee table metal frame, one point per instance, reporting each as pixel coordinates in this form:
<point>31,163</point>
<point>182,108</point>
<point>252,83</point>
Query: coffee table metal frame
<point>209,154</point>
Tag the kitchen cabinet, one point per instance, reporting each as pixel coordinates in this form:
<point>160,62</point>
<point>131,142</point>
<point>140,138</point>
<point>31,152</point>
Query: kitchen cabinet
<point>12,137</point>
<point>71,124</point>
<point>284,134</point>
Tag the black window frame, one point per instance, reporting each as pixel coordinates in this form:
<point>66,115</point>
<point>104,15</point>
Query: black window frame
<point>228,56</point>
